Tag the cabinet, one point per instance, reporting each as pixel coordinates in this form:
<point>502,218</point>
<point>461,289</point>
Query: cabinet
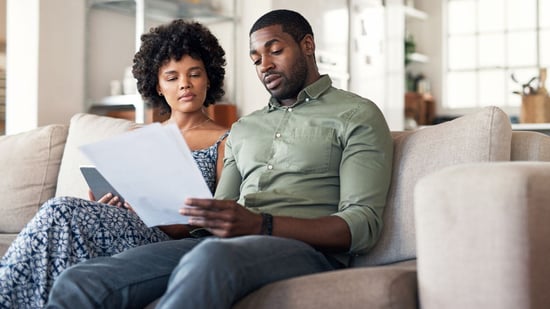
<point>114,31</point>
<point>419,107</point>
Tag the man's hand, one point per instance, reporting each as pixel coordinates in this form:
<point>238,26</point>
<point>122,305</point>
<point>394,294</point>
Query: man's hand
<point>223,218</point>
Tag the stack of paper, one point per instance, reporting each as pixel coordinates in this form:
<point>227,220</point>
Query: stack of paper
<point>153,169</point>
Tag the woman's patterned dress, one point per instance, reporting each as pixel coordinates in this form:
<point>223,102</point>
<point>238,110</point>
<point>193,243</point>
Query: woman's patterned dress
<point>68,230</point>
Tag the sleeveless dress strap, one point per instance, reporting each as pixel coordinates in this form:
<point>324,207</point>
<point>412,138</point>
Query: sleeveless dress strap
<point>222,137</point>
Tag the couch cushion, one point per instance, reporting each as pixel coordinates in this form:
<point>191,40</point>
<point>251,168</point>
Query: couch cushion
<point>392,286</point>
<point>29,163</point>
<point>488,246</point>
<point>5,241</point>
<point>84,129</point>
<point>482,136</point>
<point>530,146</point>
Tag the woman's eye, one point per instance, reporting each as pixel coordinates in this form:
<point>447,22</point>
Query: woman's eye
<point>277,52</point>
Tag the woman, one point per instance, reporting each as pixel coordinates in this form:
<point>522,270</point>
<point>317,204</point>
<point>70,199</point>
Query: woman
<point>179,68</point>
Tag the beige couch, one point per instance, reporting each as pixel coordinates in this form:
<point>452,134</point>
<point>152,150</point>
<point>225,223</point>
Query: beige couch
<point>480,238</point>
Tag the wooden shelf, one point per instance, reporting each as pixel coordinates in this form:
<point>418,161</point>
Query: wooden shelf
<point>420,107</point>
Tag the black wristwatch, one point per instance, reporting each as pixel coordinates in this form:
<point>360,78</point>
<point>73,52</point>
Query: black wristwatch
<point>267,224</point>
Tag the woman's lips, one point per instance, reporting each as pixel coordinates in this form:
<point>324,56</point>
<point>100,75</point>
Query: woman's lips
<point>186,97</point>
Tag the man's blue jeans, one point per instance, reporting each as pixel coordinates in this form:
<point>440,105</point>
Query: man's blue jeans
<point>188,273</point>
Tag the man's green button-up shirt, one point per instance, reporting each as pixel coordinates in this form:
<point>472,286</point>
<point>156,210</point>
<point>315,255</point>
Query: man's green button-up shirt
<point>328,154</point>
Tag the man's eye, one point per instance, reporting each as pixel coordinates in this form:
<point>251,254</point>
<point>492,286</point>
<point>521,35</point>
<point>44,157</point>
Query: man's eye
<point>257,61</point>
<point>277,52</point>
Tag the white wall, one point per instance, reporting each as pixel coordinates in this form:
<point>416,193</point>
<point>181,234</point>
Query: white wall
<point>22,66</point>
<point>61,60</point>
<point>45,63</point>
<point>250,93</point>
<point>376,56</point>
<point>70,54</point>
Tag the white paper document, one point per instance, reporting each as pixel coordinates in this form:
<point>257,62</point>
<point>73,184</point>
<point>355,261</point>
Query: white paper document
<point>153,168</point>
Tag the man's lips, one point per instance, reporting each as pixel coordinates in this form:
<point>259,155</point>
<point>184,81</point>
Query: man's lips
<point>272,81</point>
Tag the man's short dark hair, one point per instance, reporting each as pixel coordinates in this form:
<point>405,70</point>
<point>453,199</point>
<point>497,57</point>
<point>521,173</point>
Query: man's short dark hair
<point>292,23</point>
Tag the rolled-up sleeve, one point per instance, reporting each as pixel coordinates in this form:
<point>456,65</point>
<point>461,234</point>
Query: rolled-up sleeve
<point>365,176</point>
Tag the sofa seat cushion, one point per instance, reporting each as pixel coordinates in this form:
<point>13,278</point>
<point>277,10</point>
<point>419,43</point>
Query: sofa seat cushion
<point>5,241</point>
<point>479,137</point>
<point>29,163</point>
<point>84,129</point>
<point>392,286</point>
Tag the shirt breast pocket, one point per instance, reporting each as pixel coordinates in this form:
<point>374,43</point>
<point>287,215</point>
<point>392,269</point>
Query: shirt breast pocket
<point>308,149</point>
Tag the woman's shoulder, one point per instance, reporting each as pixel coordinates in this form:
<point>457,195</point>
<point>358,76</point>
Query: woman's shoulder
<point>217,129</point>
<point>210,135</point>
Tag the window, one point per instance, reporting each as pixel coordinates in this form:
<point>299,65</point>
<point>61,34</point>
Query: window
<point>488,41</point>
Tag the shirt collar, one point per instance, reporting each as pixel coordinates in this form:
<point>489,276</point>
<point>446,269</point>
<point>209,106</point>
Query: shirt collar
<point>312,91</point>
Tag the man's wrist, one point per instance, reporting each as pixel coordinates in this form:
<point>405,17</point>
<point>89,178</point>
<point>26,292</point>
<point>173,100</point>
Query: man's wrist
<point>267,224</point>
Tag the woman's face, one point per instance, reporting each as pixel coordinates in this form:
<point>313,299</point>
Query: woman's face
<point>183,84</point>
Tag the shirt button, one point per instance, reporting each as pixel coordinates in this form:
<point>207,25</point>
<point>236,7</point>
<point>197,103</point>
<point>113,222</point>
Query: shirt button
<point>307,99</point>
<point>270,167</point>
<point>278,135</point>
<point>290,109</point>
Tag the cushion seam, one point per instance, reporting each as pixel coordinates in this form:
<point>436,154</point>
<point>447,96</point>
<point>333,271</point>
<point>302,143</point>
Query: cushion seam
<point>47,170</point>
<point>491,129</point>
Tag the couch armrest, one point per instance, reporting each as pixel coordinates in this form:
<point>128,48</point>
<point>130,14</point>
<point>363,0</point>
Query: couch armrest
<point>483,236</point>
<point>390,286</point>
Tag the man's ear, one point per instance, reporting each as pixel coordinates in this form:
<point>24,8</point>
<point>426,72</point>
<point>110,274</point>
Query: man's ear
<point>308,45</point>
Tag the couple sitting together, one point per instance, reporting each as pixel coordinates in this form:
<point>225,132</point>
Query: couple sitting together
<point>304,183</point>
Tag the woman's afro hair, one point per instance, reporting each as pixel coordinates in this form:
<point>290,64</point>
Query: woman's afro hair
<point>173,41</point>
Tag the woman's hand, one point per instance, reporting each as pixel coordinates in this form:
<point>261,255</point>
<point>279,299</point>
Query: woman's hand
<point>109,199</point>
<point>223,218</point>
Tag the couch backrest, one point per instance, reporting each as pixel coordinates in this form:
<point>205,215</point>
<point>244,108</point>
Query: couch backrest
<point>483,136</point>
<point>84,129</point>
<point>29,165</point>
<point>530,146</point>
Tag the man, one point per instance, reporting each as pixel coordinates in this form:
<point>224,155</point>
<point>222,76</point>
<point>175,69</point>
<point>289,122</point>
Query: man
<point>304,182</point>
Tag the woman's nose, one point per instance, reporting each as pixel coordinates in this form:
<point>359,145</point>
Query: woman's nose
<point>185,84</point>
